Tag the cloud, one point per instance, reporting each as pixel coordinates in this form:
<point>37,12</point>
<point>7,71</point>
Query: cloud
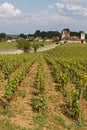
<point>8,10</point>
<point>76,9</point>
<point>64,13</point>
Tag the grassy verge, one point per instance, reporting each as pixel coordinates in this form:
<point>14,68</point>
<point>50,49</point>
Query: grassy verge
<point>5,45</point>
<point>12,45</point>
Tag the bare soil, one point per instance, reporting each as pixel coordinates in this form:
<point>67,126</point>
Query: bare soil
<point>21,103</point>
<point>20,111</point>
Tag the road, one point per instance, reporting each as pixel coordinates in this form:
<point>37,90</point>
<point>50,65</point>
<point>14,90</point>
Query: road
<point>17,51</point>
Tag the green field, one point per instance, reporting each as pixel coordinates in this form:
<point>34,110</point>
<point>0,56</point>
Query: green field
<point>45,90</point>
<point>12,45</point>
<point>5,45</point>
<point>71,51</point>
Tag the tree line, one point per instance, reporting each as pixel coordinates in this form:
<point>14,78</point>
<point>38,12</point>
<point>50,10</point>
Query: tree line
<point>42,34</point>
<point>2,36</point>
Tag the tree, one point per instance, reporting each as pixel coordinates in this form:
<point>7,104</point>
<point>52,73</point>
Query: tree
<point>35,46</point>
<point>24,45</point>
<point>74,34</point>
<point>37,33</point>
<point>55,39</point>
<point>48,34</point>
<point>2,36</point>
<point>22,35</point>
<point>43,34</point>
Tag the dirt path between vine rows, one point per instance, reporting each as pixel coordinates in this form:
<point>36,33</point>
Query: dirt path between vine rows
<point>20,111</point>
<point>55,99</point>
<point>21,103</point>
<point>4,82</point>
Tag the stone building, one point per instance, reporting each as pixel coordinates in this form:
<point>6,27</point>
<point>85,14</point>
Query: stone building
<point>65,34</point>
<point>82,36</point>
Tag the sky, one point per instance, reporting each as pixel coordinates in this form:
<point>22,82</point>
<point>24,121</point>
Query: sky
<point>27,16</point>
